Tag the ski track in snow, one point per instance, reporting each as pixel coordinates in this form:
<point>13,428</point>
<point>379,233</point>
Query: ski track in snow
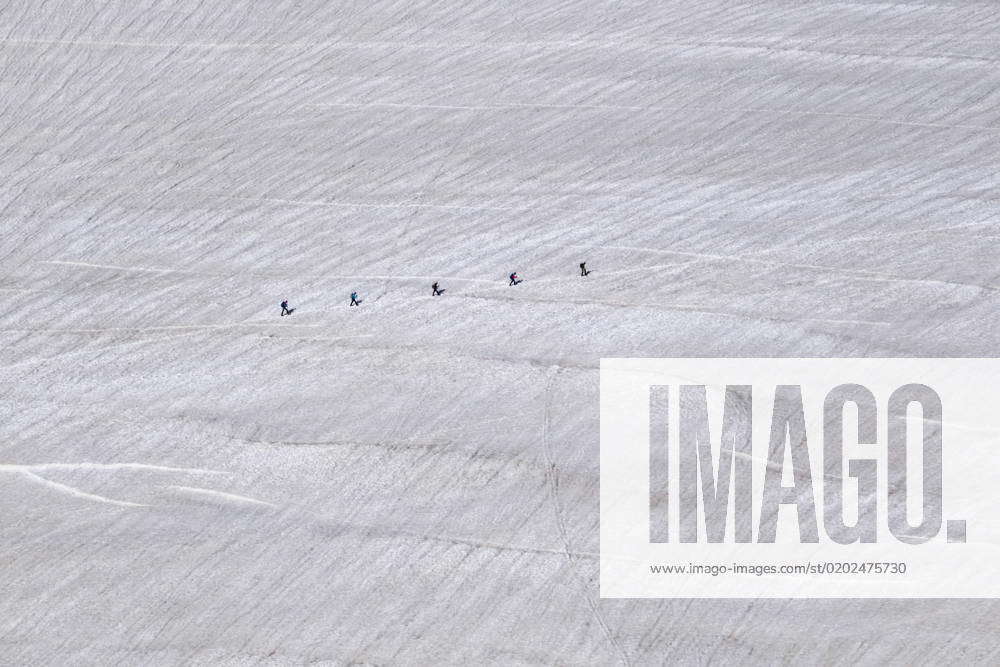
<point>73,491</point>
<point>853,273</point>
<point>112,267</point>
<point>552,478</point>
<point>111,467</point>
<point>214,494</point>
<point>30,472</point>
<point>232,325</point>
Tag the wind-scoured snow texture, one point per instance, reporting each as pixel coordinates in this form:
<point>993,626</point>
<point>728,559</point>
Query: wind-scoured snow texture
<point>186,477</point>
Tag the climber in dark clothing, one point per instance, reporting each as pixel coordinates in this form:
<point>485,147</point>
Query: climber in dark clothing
<point>435,291</point>
<point>285,310</point>
<point>354,299</point>
<point>583,269</point>
<point>514,279</point>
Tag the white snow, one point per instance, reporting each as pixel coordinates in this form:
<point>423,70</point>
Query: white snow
<point>415,481</point>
